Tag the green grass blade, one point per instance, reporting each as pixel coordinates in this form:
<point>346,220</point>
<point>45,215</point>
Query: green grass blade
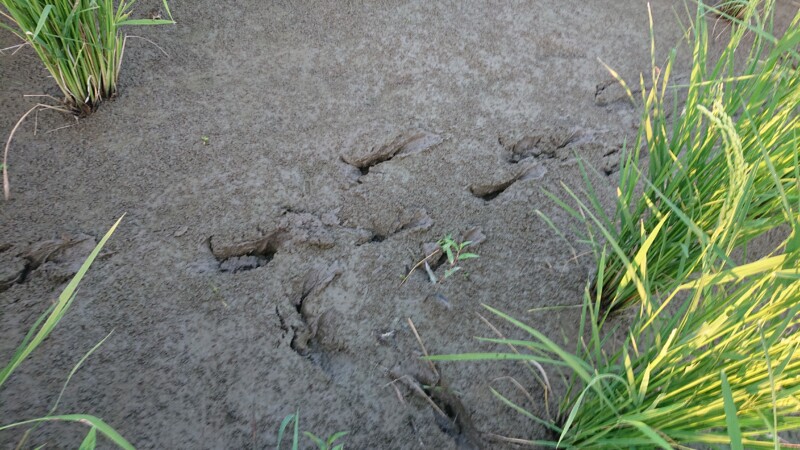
<point>41,22</point>
<point>650,433</point>
<point>90,441</point>
<point>731,420</point>
<point>58,311</point>
<point>75,369</point>
<point>85,419</point>
<point>282,429</point>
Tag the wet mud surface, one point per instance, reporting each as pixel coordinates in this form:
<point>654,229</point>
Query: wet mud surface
<point>258,271</point>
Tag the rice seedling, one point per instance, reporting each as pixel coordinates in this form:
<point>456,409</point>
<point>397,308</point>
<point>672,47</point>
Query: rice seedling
<point>37,334</point>
<point>79,42</point>
<point>722,370</point>
<point>722,153</point>
<point>294,421</point>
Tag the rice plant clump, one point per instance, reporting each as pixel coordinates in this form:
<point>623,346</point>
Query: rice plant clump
<point>79,42</point>
<point>724,151</point>
<point>722,370</point>
<point>711,358</point>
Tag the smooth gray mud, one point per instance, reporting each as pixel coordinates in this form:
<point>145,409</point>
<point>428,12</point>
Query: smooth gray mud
<point>258,273</point>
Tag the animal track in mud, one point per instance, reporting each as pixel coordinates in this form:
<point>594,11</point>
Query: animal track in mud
<point>59,259</point>
<point>527,152</point>
<point>408,222</point>
<point>247,255</point>
<point>312,334</point>
<point>610,92</point>
<point>405,144</point>
<point>611,160</point>
<point>450,415</point>
<point>531,152</point>
<point>294,228</point>
<point>458,423</point>
<point>490,191</point>
<point>542,144</point>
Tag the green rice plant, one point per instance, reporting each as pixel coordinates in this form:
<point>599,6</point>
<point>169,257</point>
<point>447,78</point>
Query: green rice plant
<point>721,154</point>
<point>79,42</point>
<point>37,334</point>
<point>294,420</point>
<point>722,369</point>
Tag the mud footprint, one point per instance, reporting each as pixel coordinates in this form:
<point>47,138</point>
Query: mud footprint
<point>450,414</point>
<point>405,144</point>
<point>57,259</point>
<point>542,144</point>
<point>490,191</point>
<point>314,333</point>
<point>409,221</point>
<point>248,255</point>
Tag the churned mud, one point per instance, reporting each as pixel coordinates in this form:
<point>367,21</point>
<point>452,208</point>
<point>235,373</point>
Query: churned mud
<point>280,173</point>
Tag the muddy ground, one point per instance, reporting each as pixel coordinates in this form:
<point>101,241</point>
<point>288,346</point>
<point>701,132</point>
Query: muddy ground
<point>257,272</point>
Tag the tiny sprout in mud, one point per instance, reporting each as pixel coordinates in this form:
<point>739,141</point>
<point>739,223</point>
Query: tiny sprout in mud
<point>452,250</point>
<point>293,420</point>
<point>204,139</point>
<point>455,253</point>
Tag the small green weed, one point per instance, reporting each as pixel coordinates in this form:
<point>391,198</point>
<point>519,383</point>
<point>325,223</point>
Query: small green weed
<point>294,420</point>
<point>454,252</point>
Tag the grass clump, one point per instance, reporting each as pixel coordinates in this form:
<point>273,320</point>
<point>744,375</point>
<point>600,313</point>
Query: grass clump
<point>724,153</point>
<point>37,334</point>
<point>79,42</point>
